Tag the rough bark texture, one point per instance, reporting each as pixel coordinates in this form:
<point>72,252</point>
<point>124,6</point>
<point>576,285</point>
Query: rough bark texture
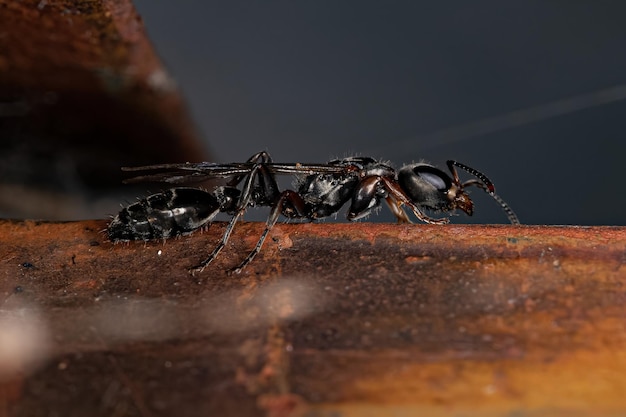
<point>330,319</point>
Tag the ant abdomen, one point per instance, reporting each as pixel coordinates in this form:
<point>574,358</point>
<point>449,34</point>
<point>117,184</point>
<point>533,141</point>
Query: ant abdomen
<point>170,213</point>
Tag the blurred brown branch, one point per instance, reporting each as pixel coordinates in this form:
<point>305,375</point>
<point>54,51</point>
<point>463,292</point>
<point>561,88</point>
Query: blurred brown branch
<point>82,93</point>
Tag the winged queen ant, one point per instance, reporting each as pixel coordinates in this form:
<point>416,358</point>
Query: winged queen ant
<point>322,190</point>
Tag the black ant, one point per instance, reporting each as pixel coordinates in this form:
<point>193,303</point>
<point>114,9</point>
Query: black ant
<point>322,190</point>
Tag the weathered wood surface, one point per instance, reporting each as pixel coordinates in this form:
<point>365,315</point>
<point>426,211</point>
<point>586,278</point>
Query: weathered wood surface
<point>330,320</point>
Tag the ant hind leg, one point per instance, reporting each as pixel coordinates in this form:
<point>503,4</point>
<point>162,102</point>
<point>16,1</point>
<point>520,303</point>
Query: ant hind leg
<point>296,203</point>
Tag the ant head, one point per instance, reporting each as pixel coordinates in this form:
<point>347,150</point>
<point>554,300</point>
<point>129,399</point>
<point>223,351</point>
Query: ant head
<point>433,189</point>
<point>484,184</point>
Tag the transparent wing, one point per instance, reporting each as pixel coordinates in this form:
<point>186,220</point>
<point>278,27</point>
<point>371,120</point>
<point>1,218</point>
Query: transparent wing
<point>309,169</point>
<point>186,173</point>
<point>202,171</point>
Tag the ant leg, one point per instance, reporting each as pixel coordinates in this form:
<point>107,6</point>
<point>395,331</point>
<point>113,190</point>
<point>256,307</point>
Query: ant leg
<point>258,158</point>
<point>396,208</point>
<point>297,203</point>
<point>231,225</point>
<point>262,157</point>
<point>244,202</point>
<point>265,180</point>
<point>397,193</point>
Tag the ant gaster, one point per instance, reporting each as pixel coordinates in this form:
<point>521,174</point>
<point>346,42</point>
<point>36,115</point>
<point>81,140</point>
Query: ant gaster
<point>322,190</point>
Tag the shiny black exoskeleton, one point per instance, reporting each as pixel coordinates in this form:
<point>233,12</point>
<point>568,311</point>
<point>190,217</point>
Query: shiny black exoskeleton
<point>177,211</point>
<point>322,190</point>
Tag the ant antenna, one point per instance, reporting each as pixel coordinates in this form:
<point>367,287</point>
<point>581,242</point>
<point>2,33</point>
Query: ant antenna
<point>509,212</point>
<point>486,181</point>
<point>486,185</point>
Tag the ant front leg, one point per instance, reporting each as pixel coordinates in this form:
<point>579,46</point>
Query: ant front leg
<point>394,190</point>
<point>396,208</point>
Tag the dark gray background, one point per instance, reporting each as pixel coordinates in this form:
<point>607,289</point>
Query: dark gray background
<point>529,92</point>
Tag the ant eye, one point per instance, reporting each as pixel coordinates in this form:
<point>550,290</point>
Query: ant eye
<point>434,177</point>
